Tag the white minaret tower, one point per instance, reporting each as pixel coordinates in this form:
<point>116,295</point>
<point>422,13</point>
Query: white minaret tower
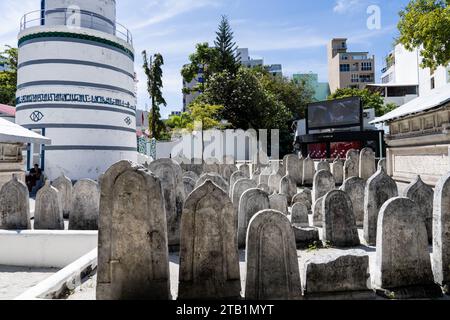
<point>76,85</point>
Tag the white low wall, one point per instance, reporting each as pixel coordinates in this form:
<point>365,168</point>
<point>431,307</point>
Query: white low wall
<point>64,280</point>
<point>44,249</point>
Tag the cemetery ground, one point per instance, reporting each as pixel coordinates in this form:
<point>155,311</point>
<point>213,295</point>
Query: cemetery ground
<point>16,280</point>
<point>292,230</point>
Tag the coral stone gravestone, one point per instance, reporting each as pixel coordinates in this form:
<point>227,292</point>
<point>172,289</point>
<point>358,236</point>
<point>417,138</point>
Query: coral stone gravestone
<point>323,165</point>
<point>274,182</point>
<point>48,212</point>
<point>86,206</point>
<point>252,201</point>
<point>366,163</point>
<point>245,169</point>
<point>279,203</point>
<point>441,234</point>
<point>214,177</point>
<point>422,195</point>
<point>65,188</point>
<point>189,185</point>
<point>294,168</point>
<point>209,258</point>
<point>133,257</point>
<point>191,174</point>
<point>171,177</point>
<point>337,170</point>
<point>355,187</point>
<point>323,183</point>
<point>308,171</point>
<point>350,169</point>
<point>379,189</point>
<point>299,215</point>
<point>339,224</point>
<point>238,175</point>
<point>272,263</point>
<point>403,265</point>
<point>288,187</point>
<point>14,206</point>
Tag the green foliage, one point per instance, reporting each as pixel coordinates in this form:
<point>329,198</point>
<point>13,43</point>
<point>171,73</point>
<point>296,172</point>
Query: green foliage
<point>426,23</point>
<point>8,78</point>
<point>247,104</point>
<point>154,74</point>
<point>227,59</point>
<point>369,99</point>
<point>204,58</point>
<point>205,114</point>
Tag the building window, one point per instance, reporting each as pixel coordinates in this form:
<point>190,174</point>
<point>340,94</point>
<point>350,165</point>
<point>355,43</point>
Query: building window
<point>344,57</point>
<point>365,78</point>
<point>433,83</point>
<point>355,77</point>
<point>345,68</point>
<point>366,66</point>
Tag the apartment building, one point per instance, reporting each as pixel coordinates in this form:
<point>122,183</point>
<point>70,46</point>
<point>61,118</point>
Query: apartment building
<point>348,69</point>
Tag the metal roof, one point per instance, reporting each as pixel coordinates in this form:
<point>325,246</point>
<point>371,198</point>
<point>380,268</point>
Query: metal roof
<point>8,110</point>
<point>436,98</point>
<point>13,133</point>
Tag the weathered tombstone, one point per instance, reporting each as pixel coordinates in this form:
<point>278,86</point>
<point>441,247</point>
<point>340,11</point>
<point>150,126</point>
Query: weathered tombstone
<point>211,165</point>
<point>355,187</point>
<point>308,171</point>
<point>235,177</point>
<point>171,177</point>
<point>189,185</point>
<point>226,170</point>
<point>423,196</point>
<point>14,206</point>
<point>354,155</point>
<point>337,170</point>
<point>133,257</point>
<point>323,165</point>
<point>441,234</point>
<point>86,206</point>
<point>402,264</point>
<point>191,174</point>
<point>382,164</point>
<point>288,187</point>
<point>294,168</point>
<point>299,215</point>
<point>195,165</point>
<point>366,163</point>
<point>245,169</point>
<point>48,212</point>
<point>239,188</point>
<point>305,194</point>
<point>265,174</point>
<point>209,258</point>
<point>339,224</point>
<point>350,169</point>
<point>274,182</point>
<point>323,183</point>
<point>272,274</point>
<point>65,188</point>
<point>317,210</point>
<point>264,187</point>
<point>252,201</point>
<point>337,275</point>
<point>379,189</point>
<point>214,177</point>
<point>279,203</point>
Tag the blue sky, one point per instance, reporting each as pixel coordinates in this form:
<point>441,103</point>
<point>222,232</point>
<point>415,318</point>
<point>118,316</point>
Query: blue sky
<point>291,32</point>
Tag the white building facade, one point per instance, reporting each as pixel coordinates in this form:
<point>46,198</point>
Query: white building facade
<point>76,86</point>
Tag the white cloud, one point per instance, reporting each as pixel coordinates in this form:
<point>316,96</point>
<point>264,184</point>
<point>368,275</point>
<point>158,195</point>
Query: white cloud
<point>344,6</point>
<point>168,9</point>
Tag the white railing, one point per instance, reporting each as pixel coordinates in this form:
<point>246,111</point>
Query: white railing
<point>75,18</point>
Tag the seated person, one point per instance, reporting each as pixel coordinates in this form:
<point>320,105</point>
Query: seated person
<point>34,176</point>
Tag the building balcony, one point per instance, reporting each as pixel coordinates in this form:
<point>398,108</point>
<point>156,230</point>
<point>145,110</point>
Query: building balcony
<point>75,19</point>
